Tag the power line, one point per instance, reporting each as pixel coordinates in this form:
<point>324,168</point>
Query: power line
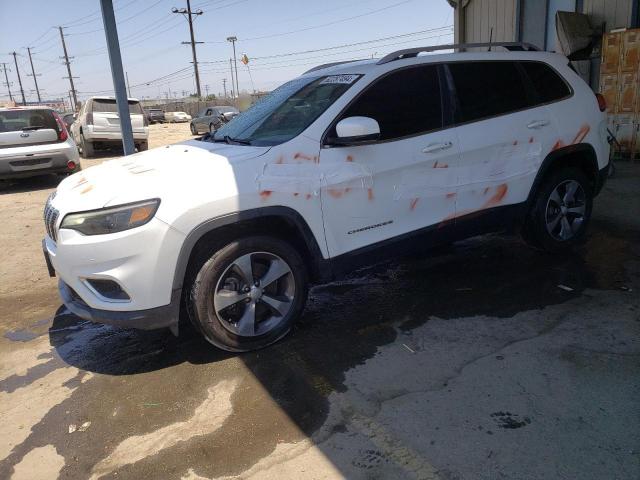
<point>342,20</point>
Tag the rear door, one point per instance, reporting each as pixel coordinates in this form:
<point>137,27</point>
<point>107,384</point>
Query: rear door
<point>407,178</point>
<point>503,136</point>
<point>27,127</point>
<point>107,119</point>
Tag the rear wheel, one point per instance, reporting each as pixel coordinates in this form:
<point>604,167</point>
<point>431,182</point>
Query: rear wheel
<point>86,147</point>
<point>143,146</point>
<point>561,211</point>
<point>249,293</point>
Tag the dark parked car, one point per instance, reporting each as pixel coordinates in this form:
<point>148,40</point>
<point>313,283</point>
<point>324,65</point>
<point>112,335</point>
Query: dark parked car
<point>212,118</point>
<point>155,115</point>
<point>68,118</point>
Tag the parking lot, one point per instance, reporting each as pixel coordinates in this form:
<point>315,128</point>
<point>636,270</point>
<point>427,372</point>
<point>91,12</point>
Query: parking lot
<point>485,360</point>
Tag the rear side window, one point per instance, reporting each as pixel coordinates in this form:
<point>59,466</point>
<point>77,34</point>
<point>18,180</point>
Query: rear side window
<point>110,106</point>
<point>406,102</point>
<point>32,119</point>
<point>487,89</point>
<point>548,84</point>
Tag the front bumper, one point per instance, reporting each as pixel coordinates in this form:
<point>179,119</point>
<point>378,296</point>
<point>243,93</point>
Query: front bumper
<point>150,319</point>
<point>141,261</point>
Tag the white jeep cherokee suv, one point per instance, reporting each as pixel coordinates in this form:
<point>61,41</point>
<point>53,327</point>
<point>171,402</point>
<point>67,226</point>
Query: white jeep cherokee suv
<point>344,166</point>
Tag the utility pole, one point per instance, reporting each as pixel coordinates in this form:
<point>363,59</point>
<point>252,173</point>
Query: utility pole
<point>24,102</point>
<point>70,102</point>
<point>206,89</point>
<point>232,85</point>
<point>33,74</point>
<point>189,16</point>
<point>117,74</point>
<point>128,86</point>
<point>66,59</point>
<point>233,41</point>
<point>8,83</point>
<point>224,86</point>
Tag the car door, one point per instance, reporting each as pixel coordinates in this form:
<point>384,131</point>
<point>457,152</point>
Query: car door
<point>503,136</point>
<point>205,120</point>
<point>401,183</point>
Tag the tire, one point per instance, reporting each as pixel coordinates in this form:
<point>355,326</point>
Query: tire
<point>143,146</point>
<point>193,129</point>
<point>237,317</point>
<point>86,148</point>
<point>558,219</point>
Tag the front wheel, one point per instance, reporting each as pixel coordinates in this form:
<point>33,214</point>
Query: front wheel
<point>561,211</point>
<point>249,293</point>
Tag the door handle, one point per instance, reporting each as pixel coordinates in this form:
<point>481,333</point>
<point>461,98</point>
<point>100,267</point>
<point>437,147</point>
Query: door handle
<point>538,124</point>
<point>434,147</point>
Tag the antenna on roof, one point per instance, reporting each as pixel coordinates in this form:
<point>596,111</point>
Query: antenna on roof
<point>490,38</point>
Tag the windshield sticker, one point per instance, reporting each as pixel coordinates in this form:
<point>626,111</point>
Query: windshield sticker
<point>346,79</point>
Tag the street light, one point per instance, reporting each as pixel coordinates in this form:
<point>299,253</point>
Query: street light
<point>233,41</point>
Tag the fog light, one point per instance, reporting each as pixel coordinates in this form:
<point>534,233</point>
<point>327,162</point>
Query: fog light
<point>71,165</point>
<point>108,289</point>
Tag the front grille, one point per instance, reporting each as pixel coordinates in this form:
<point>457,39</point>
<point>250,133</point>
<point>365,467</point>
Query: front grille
<point>51,218</point>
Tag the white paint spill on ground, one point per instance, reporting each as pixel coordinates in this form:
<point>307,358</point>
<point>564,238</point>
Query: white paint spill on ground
<point>16,361</point>
<point>25,407</point>
<point>208,417</point>
<point>289,460</point>
<point>42,463</point>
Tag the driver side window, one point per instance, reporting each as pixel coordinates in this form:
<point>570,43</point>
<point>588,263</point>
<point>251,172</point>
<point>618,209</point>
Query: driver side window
<point>404,103</point>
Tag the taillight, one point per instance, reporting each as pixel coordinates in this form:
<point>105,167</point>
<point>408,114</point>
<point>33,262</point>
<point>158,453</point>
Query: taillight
<point>602,102</point>
<point>62,128</point>
<point>90,118</point>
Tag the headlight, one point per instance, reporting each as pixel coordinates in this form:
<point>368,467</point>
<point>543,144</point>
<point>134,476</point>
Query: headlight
<point>112,219</point>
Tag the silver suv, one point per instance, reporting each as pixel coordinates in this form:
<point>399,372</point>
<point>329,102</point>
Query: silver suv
<point>97,125</point>
<point>34,141</point>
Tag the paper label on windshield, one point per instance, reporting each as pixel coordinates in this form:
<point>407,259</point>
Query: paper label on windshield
<point>347,79</point>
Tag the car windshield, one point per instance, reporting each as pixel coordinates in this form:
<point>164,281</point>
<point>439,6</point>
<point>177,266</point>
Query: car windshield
<point>31,119</point>
<point>286,112</point>
<point>226,109</point>
<point>110,106</point>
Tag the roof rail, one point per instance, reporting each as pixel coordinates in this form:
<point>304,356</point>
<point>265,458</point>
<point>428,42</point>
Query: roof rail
<point>413,52</point>
<point>332,64</point>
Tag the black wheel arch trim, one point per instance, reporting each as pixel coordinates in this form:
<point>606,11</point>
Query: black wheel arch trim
<point>322,265</point>
<point>556,156</point>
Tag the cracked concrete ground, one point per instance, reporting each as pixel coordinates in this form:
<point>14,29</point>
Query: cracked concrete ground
<point>471,363</point>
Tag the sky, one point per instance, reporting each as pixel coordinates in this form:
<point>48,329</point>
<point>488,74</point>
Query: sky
<point>281,38</point>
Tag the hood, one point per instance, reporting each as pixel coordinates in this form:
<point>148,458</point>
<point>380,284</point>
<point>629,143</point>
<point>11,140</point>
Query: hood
<point>191,168</point>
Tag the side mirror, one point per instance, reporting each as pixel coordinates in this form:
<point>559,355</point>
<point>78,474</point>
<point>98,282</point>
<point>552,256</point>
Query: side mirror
<point>75,116</point>
<point>355,131</point>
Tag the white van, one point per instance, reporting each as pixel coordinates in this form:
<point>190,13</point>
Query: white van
<point>340,168</point>
<point>97,125</point>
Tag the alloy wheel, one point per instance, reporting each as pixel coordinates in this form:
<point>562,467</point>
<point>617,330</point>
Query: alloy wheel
<point>254,294</point>
<point>565,211</point>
